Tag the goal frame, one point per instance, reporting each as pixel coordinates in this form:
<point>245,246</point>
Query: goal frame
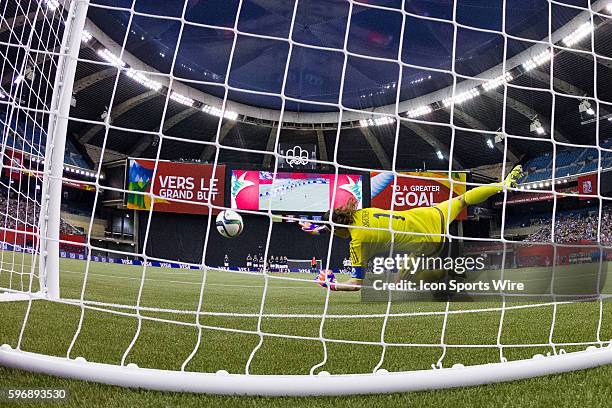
<point>307,261</point>
<point>222,382</point>
<point>51,197</point>
<point>323,384</point>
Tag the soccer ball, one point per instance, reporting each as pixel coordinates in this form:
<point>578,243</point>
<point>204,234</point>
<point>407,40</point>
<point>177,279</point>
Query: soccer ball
<point>229,223</point>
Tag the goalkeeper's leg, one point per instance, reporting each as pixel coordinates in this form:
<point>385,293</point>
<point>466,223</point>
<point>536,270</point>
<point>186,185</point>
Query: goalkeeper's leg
<point>451,208</point>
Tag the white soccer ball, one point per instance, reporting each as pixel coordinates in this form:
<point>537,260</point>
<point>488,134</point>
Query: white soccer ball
<point>229,223</point>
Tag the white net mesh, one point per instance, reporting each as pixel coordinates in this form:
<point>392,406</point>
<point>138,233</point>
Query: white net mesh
<point>32,36</point>
<point>121,300</point>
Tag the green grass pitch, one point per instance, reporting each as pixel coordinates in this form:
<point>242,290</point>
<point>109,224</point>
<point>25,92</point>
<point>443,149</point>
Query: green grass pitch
<point>105,336</point>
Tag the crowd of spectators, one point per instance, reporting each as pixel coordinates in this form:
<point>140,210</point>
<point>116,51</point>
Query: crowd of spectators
<point>20,212</point>
<point>574,227</point>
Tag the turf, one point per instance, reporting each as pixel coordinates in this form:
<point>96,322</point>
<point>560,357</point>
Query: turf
<point>232,301</point>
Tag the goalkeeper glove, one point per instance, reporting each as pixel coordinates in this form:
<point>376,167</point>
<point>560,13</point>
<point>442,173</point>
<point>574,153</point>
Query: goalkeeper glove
<point>313,229</point>
<point>326,277</point>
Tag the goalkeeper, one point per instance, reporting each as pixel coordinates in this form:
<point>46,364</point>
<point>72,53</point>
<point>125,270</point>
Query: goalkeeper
<point>418,225</point>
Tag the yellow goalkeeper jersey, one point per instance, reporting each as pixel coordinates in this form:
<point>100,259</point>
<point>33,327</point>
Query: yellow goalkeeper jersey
<point>418,225</point>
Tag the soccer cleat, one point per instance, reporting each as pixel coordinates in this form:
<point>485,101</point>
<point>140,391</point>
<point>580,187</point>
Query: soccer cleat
<point>513,177</point>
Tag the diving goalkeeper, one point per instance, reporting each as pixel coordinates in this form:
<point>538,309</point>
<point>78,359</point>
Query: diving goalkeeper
<point>417,225</point>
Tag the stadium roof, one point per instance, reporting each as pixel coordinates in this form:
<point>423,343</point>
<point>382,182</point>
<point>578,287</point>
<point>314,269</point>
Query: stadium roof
<point>371,79</point>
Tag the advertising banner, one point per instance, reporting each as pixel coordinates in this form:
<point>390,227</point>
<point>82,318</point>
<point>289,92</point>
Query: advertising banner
<point>307,192</point>
<point>77,185</point>
<point>587,185</point>
<point>175,181</point>
<point>412,192</point>
<point>13,160</point>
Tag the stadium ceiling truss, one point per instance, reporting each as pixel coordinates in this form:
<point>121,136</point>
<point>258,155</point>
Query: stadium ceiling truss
<point>322,146</point>
<point>328,121</point>
<point>174,120</point>
<point>377,148</point>
<point>267,160</point>
<point>117,111</point>
<point>209,151</point>
<point>433,141</point>
<point>18,21</point>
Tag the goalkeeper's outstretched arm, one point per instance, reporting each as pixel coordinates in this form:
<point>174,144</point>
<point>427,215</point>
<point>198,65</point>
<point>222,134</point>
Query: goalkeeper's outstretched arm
<point>326,278</point>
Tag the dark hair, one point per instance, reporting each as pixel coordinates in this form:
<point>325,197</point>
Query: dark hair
<point>344,215</point>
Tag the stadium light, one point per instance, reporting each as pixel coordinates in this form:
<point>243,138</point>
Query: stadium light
<point>419,80</point>
<point>380,121</point>
<point>490,144</point>
<point>211,110</point>
<point>498,81</point>
<point>52,4</point>
<point>462,97</point>
<point>537,60</point>
<point>440,155</point>
<point>585,106</point>
<point>578,34</point>
<point>86,36</point>
<point>536,126</point>
<point>108,56</point>
<point>143,80</point>
<point>420,111</point>
<point>177,97</point>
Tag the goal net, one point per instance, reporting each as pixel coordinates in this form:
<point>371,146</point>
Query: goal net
<point>127,127</point>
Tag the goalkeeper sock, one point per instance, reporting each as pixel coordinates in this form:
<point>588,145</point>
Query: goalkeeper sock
<point>479,194</point>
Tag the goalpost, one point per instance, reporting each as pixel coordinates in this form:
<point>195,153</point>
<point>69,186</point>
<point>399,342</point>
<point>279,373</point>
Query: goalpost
<point>39,96</point>
<point>303,264</point>
<point>36,113</point>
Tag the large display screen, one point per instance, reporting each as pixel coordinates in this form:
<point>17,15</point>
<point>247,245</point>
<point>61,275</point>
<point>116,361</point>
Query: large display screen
<point>415,189</point>
<point>289,191</point>
<point>187,182</point>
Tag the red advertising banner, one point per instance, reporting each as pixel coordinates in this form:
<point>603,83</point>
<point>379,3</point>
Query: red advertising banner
<point>27,236</point>
<point>530,197</point>
<point>175,181</point>
<point>77,185</point>
<point>587,185</point>
<point>412,192</point>
<point>14,160</point>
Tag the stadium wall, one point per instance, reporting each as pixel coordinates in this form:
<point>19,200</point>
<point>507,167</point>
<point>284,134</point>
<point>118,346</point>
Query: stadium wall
<point>180,237</point>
